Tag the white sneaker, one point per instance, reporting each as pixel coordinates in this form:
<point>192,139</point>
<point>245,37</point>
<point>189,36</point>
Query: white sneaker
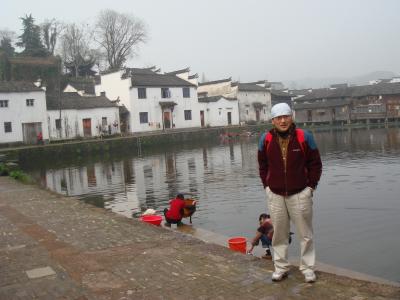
<point>279,275</point>
<point>309,276</point>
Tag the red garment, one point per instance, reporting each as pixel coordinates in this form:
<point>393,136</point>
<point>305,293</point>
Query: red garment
<point>175,211</point>
<point>303,168</point>
<point>266,228</point>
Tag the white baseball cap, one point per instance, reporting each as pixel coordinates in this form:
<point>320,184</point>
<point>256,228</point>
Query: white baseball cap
<point>280,109</point>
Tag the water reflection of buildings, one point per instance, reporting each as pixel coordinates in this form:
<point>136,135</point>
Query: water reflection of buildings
<point>136,184</point>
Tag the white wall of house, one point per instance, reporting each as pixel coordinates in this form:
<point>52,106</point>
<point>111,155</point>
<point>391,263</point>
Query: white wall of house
<point>151,105</point>
<point>247,111</point>
<point>216,113</point>
<point>115,88</point>
<point>19,113</point>
<point>72,121</point>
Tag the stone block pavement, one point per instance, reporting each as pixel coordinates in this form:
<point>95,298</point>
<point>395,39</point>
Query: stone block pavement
<point>54,247</point>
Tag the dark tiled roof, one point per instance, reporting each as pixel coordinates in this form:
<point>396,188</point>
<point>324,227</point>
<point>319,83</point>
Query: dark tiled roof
<point>216,81</point>
<point>86,86</point>
<point>194,76</point>
<point>123,110</point>
<point>249,87</point>
<point>178,71</point>
<point>18,86</point>
<point>134,71</point>
<point>279,93</point>
<point>214,99</point>
<point>158,80</point>
<point>355,91</point>
<point>325,94</point>
<point>75,101</point>
<point>376,89</point>
<point>324,104</point>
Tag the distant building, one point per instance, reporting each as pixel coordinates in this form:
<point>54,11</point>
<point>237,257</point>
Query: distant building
<point>279,96</point>
<point>218,111</point>
<point>254,100</point>
<point>22,112</point>
<point>73,116</point>
<point>369,103</point>
<point>154,101</point>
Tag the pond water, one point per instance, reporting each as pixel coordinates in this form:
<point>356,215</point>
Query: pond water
<point>356,205</point>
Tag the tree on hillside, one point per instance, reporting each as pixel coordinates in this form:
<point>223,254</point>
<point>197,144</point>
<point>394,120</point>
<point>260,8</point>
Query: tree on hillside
<point>50,32</point>
<point>6,41</point>
<point>30,38</point>
<point>118,34</point>
<point>6,51</point>
<point>75,50</point>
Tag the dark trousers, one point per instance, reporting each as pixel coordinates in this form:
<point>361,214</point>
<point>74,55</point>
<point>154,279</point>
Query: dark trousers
<point>170,221</point>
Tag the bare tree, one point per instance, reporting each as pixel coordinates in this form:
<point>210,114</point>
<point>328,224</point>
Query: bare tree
<point>75,49</point>
<point>118,34</point>
<point>51,30</point>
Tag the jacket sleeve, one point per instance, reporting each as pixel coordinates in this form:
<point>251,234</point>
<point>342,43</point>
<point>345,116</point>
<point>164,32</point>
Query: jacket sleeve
<point>313,161</point>
<point>262,161</point>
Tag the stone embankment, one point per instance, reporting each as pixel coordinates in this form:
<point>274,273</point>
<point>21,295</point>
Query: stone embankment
<point>53,247</point>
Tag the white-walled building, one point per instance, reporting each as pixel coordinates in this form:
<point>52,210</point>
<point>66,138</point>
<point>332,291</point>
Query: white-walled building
<point>154,101</point>
<point>22,112</point>
<point>254,100</point>
<point>81,116</point>
<point>218,111</point>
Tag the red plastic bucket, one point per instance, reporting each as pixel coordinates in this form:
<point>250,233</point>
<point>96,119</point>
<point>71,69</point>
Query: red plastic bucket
<point>152,219</point>
<point>238,244</point>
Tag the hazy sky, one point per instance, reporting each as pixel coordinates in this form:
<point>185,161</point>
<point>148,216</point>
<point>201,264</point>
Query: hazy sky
<point>248,40</point>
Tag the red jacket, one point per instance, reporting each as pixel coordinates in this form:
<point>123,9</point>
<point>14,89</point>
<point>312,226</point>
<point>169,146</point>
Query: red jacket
<point>303,164</point>
<point>175,211</point>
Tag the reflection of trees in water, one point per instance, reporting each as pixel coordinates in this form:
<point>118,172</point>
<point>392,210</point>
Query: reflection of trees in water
<point>129,171</point>
<point>205,159</point>
<point>171,174</point>
<point>149,187</point>
<point>191,162</point>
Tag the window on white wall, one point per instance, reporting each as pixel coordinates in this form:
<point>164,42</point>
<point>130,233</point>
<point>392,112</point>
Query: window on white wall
<point>219,111</point>
<point>142,93</point>
<point>188,115</point>
<point>144,117</point>
<point>165,93</point>
<point>186,92</point>
<point>104,121</point>
<point>58,124</point>
<point>7,127</point>
<point>29,102</point>
<point>3,103</point>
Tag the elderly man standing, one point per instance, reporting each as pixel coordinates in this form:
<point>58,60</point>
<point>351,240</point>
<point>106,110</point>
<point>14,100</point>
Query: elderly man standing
<point>290,168</point>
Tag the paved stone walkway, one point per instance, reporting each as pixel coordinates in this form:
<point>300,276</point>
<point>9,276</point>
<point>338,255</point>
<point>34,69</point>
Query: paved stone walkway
<point>53,247</point>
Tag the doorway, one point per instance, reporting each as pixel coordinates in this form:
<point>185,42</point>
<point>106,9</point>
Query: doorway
<point>30,132</point>
<point>87,127</point>
<point>202,118</point>
<point>167,119</point>
<point>229,118</point>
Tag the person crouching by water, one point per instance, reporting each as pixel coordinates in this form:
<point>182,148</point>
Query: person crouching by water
<point>174,214</point>
<point>264,233</point>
